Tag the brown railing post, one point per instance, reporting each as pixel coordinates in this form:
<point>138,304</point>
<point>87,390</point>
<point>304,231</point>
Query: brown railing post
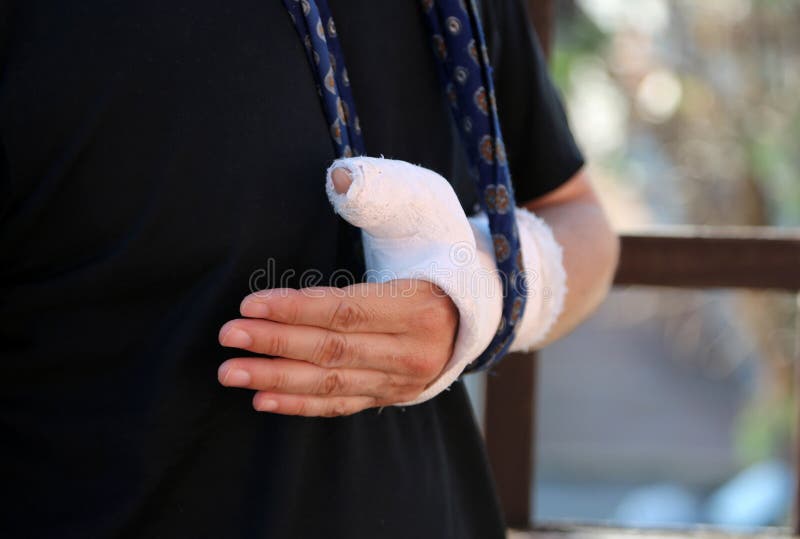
<point>510,428</point>
<point>796,437</point>
<point>511,389</point>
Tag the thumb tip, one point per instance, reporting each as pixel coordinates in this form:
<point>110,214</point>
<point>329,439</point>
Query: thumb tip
<point>341,179</point>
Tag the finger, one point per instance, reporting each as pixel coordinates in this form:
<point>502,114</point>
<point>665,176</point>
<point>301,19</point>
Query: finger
<point>320,346</point>
<point>310,405</point>
<point>364,307</point>
<point>341,179</point>
<point>298,377</point>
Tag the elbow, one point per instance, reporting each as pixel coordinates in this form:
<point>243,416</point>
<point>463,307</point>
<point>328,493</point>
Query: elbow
<point>604,262</point>
<point>606,259</point>
<point>613,248</point>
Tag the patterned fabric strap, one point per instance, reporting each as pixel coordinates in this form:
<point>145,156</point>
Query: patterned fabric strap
<point>462,61</point>
<point>317,30</point>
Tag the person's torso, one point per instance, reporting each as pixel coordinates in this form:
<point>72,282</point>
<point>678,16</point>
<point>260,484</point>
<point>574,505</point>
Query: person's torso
<point>159,160</point>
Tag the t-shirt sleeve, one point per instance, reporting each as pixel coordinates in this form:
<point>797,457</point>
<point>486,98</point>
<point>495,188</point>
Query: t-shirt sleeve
<point>541,149</point>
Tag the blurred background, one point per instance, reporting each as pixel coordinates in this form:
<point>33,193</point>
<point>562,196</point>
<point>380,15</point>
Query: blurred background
<point>676,407</point>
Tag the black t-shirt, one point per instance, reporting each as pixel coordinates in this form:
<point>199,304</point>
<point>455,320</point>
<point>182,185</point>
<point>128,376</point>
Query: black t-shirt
<point>155,156</point>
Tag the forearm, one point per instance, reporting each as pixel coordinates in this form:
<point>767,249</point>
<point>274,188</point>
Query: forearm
<point>412,220</point>
<point>590,250</point>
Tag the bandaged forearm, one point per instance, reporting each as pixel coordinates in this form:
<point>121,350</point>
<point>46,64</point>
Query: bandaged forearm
<point>413,227</point>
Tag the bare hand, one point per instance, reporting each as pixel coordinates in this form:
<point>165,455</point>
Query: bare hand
<point>338,351</point>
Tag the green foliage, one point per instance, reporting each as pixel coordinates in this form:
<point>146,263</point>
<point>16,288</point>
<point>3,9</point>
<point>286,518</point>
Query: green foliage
<point>764,430</point>
<point>577,39</point>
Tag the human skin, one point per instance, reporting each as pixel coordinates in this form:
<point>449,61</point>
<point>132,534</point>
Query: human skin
<point>338,351</point>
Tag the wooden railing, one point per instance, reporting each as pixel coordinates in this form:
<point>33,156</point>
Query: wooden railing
<point>686,257</point>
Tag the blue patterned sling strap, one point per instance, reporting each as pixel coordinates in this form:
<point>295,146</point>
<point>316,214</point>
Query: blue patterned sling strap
<point>462,61</point>
<point>317,30</point>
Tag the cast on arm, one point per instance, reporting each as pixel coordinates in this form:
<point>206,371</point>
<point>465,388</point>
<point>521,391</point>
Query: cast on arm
<point>413,226</point>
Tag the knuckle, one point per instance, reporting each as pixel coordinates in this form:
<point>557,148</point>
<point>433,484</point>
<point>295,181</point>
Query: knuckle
<point>338,407</point>
<point>301,408</point>
<point>348,316</point>
<point>275,344</point>
<point>430,371</point>
<point>332,349</point>
<point>399,385</point>
<point>391,382</point>
<point>373,402</point>
<point>421,366</point>
<point>332,383</point>
<point>291,313</point>
<point>436,315</point>
<point>279,379</point>
<point>402,389</point>
<point>409,393</point>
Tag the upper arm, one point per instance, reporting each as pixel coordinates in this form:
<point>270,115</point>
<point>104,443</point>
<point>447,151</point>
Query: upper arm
<point>577,188</point>
<point>542,153</point>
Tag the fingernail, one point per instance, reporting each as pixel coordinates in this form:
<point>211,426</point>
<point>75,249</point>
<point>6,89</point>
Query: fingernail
<point>236,338</point>
<point>254,309</point>
<point>236,378</point>
<point>268,405</point>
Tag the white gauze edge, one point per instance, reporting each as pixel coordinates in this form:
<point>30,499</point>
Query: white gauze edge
<point>413,226</point>
<point>545,275</point>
